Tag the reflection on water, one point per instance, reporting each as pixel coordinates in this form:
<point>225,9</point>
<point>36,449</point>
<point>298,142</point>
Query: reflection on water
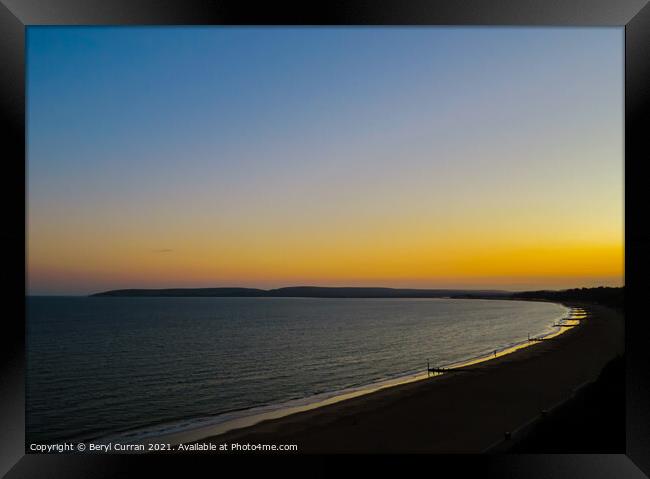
<point>97,367</point>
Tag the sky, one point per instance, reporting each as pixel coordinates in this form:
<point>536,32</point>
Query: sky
<point>423,157</point>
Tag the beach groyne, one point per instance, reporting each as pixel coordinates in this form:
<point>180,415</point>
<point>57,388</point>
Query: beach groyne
<point>456,412</point>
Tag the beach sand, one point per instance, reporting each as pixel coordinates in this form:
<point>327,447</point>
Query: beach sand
<point>460,412</point>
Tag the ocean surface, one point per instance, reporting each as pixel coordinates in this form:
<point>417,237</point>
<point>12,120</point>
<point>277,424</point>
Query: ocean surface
<point>102,367</point>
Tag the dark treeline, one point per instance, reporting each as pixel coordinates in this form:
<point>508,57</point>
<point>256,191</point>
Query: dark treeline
<point>612,297</point>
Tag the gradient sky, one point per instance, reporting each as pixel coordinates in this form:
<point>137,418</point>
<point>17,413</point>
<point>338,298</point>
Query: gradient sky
<point>265,157</point>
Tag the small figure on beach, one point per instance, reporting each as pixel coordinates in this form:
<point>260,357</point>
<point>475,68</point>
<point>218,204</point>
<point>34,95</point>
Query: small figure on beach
<point>495,353</point>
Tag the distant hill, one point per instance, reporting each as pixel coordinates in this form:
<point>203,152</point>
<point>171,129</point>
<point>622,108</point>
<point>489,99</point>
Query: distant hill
<point>603,295</point>
<point>302,292</point>
<point>178,292</point>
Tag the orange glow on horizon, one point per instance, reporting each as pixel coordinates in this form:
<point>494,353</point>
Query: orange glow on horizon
<point>443,264</point>
<point>429,158</point>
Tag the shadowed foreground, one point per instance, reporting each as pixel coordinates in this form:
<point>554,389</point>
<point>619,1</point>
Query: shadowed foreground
<point>592,422</point>
<point>455,413</point>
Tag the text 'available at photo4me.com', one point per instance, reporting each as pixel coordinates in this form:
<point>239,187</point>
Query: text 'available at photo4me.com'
<point>116,447</point>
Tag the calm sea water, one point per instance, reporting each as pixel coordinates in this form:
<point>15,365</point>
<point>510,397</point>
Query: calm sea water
<point>101,366</point>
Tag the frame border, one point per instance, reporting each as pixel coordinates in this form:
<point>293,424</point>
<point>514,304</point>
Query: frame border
<point>16,15</point>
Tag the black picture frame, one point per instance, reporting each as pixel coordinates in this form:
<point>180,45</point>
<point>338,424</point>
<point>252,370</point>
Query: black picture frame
<point>16,15</point>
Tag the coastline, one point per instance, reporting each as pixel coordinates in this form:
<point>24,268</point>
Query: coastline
<point>195,429</point>
<point>238,420</point>
<point>173,430</point>
<point>467,410</point>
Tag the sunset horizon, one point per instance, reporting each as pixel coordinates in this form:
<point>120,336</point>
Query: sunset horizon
<point>351,285</point>
<point>408,158</point>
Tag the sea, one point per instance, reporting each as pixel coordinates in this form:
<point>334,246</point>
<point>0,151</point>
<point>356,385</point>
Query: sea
<point>105,368</point>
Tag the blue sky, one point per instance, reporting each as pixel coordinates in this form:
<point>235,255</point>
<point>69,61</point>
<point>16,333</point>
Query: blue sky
<point>158,138</point>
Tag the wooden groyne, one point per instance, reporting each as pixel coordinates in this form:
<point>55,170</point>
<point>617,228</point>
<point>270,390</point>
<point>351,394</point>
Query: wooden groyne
<point>434,370</point>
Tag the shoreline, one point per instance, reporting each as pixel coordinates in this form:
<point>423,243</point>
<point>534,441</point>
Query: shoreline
<point>202,428</point>
<point>320,427</point>
<point>195,429</point>
<point>198,428</point>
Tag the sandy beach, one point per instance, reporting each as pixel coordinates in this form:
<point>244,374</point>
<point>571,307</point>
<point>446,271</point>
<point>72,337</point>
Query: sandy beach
<point>462,412</point>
